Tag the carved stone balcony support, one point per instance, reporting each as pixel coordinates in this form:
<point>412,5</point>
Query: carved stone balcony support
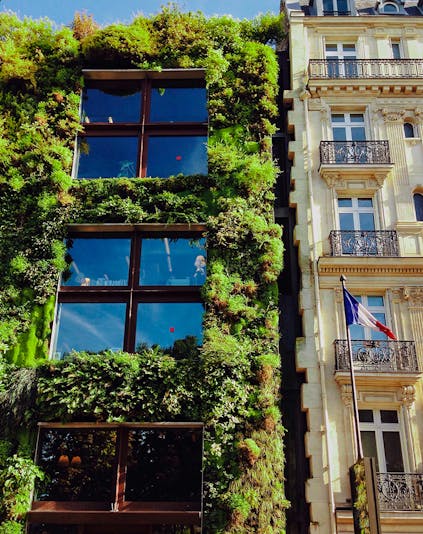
<point>364,243</point>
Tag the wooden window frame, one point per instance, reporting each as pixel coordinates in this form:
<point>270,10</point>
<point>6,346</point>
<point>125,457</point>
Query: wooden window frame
<point>143,128</point>
<point>133,293</point>
<point>120,512</point>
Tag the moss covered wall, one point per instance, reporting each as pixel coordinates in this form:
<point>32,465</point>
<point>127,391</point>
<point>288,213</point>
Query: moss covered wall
<point>231,383</point>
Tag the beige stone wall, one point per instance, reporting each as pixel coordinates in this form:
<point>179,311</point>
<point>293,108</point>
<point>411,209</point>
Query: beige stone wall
<point>326,398</point>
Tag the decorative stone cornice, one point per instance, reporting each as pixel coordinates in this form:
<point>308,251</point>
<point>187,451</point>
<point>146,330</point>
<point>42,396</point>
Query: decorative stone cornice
<point>345,177</point>
<point>414,296</point>
<point>371,267</point>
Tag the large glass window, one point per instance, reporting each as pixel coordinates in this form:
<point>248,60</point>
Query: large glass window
<point>357,225</point>
<point>128,477</point>
<point>147,128</point>
<point>376,306</point>
<point>381,438</point>
<point>341,60</point>
<point>130,291</point>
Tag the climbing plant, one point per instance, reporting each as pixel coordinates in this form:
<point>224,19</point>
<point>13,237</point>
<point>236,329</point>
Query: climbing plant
<point>231,382</point>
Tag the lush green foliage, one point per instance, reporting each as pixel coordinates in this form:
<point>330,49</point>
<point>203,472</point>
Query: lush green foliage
<point>231,382</point>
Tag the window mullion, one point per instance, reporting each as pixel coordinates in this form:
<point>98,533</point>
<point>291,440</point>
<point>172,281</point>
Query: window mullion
<point>144,120</point>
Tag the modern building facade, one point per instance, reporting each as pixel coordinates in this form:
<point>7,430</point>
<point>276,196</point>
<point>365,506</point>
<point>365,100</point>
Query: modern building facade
<point>356,120</point>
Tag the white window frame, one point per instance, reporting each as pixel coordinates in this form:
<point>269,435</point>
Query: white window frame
<point>355,209</point>
<point>398,46</point>
<point>347,123</point>
<point>378,428</point>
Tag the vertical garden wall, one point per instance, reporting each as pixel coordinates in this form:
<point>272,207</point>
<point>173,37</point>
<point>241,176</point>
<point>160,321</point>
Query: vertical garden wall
<point>231,382</point>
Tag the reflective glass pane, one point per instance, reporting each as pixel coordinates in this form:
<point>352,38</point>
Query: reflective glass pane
<point>389,416</point>
<point>98,262</point>
<point>172,155</point>
<point>396,51</point>
<point>164,465</point>
<point>374,300</point>
<point>346,221</point>
<point>164,323</point>
<point>338,117</point>
<point>107,157</point>
<point>390,8</point>
<point>357,117</point>
<point>109,104</point>
<point>365,416</point>
<point>175,103</point>
<point>418,206</point>
<point>408,130</point>
<point>349,47</point>
<point>357,331</point>
<point>375,334</point>
<point>367,221</point>
<point>358,133</point>
<point>174,262</point>
<point>79,465</point>
<point>89,326</point>
<point>365,203</point>
<point>331,48</point>
<point>342,6</point>
<point>368,440</point>
<point>393,454</point>
<point>328,5</point>
<point>339,134</point>
<point>345,202</point>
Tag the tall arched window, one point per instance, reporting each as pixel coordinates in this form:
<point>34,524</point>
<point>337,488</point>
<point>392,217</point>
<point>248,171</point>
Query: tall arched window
<point>418,205</point>
<point>408,129</point>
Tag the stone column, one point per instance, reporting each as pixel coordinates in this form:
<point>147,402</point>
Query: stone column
<point>408,397</point>
<point>414,297</point>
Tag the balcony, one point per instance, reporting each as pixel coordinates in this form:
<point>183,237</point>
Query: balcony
<point>354,153</point>
<point>377,363</point>
<point>336,13</point>
<point>364,243</point>
<point>371,356</point>
<point>365,77</point>
<point>400,492</point>
<point>323,69</point>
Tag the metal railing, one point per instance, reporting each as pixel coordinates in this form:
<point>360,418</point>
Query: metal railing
<point>354,152</point>
<point>365,68</point>
<point>336,13</point>
<point>373,356</point>
<point>400,491</point>
<point>364,243</point>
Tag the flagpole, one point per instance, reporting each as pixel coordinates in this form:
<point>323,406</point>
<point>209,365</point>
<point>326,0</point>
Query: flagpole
<point>359,446</point>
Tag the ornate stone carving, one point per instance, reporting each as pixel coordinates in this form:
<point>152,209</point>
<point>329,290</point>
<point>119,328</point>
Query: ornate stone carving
<point>392,115</point>
<point>414,296</point>
<point>408,395</point>
<point>346,395</point>
<point>331,178</point>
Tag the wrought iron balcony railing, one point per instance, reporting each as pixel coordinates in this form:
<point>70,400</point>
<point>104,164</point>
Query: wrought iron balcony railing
<point>364,242</point>
<point>400,491</point>
<point>365,68</point>
<point>371,356</point>
<point>354,152</point>
<point>336,13</point>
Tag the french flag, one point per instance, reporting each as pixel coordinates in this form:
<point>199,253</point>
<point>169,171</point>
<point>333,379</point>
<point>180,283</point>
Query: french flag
<point>356,313</point>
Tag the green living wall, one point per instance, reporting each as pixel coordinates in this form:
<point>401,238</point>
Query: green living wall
<point>231,383</point>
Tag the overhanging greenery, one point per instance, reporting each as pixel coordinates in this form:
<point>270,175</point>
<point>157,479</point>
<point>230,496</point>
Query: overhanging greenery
<point>231,382</point>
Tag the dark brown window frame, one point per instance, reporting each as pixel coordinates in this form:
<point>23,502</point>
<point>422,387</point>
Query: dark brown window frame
<point>144,128</point>
<point>133,294</point>
<point>121,512</point>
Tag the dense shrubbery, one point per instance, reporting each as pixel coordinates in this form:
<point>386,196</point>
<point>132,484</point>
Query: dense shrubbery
<point>231,382</point>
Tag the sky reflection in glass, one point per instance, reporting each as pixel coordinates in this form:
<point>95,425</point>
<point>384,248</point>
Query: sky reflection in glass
<point>98,262</point>
<point>162,323</point>
<point>177,262</point>
<point>90,326</point>
<point>107,157</point>
<point>172,155</point>
<point>111,105</point>
<point>178,104</point>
